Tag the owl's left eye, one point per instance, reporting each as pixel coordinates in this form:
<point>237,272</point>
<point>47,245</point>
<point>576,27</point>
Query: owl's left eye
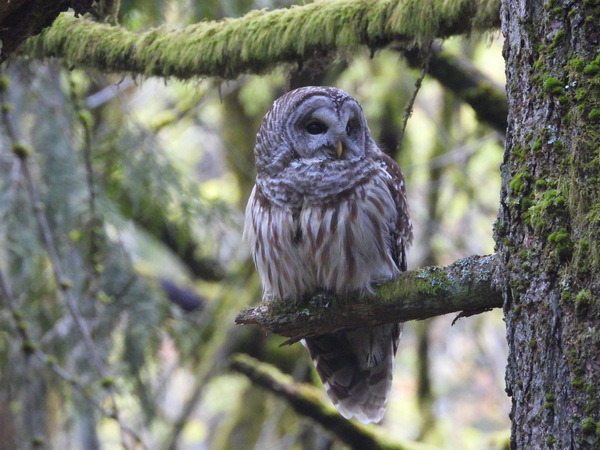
<point>351,126</point>
<point>315,127</point>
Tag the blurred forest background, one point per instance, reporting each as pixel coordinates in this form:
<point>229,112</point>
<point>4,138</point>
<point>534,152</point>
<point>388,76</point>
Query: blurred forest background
<point>124,224</point>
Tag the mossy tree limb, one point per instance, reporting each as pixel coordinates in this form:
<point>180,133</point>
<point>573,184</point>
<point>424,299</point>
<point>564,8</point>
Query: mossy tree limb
<point>260,39</point>
<point>307,400</point>
<point>465,286</point>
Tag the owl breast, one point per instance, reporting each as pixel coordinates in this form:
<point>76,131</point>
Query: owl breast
<point>338,242</point>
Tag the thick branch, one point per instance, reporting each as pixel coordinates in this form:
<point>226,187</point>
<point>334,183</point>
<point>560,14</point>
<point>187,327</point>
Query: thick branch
<point>260,39</point>
<point>465,286</point>
<point>20,19</point>
<point>307,400</point>
<point>472,86</point>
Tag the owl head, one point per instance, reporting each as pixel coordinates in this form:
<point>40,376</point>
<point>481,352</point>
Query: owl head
<point>314,124</point>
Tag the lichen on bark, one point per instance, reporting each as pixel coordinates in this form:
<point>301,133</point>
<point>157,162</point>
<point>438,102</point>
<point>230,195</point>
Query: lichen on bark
<point>548,229</point>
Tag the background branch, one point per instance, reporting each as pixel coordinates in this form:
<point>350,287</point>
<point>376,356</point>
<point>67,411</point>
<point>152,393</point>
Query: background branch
<point>307,401</point>
<point>465,286</point>
<point>460,76</point>
<point>260,39</point>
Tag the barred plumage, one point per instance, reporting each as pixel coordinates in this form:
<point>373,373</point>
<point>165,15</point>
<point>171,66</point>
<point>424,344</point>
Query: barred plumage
<point>328,212</point>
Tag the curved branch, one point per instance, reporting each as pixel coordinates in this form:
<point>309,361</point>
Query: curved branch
<point>465,286</point>
<point>260,39</point>
<point>307,400</point>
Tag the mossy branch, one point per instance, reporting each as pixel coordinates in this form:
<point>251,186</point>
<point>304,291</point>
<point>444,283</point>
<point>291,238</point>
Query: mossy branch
<point>466,286</point>
<point>307,401</point>
<point>260,39</point>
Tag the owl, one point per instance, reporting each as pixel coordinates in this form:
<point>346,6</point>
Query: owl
<point>328,213</point>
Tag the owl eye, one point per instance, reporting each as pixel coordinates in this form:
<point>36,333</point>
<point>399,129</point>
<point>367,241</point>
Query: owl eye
<point>315,127</point>
<point>351,126</point>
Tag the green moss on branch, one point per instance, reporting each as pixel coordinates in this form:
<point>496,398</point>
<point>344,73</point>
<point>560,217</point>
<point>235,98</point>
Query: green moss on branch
<point>260,39</point>
<point>467,285</point>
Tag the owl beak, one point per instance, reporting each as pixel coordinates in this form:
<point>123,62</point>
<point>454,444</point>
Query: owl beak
<point>339,149</point>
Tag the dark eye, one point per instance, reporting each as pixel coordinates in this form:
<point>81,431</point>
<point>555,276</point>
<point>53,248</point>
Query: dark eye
<point>315,127</point>
<point>351,126</point>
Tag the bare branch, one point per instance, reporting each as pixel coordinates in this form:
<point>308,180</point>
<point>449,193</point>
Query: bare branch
<point>466,285</point>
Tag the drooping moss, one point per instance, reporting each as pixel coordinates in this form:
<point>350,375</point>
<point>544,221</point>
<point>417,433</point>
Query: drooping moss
<point>260,39</point>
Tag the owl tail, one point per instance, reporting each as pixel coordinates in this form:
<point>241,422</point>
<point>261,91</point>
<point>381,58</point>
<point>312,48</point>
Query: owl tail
<point>356,368</point>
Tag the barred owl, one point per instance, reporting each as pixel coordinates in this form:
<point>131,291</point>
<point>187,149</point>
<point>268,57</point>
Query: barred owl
<point>328,213</point>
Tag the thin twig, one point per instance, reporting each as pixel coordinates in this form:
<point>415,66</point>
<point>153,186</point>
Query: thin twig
<point>84,117</point>
<point>409,108</point>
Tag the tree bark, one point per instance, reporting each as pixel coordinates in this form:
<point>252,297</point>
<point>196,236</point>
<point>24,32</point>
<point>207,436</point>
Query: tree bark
<point>548,231</point>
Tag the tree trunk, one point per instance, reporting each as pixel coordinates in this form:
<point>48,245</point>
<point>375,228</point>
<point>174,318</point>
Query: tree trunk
<point>548,231</point>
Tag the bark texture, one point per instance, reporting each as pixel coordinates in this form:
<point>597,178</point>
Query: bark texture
<point>466,286</point>
<point>548,231</point>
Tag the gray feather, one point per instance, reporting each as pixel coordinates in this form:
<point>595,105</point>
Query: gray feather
<point>318,220</point>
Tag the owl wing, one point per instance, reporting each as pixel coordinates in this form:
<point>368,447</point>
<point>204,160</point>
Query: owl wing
<point>401,230</point>
<point>356,366</point>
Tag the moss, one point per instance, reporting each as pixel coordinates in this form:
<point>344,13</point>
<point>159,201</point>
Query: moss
<point>547,203</point>
<point>65,284</point>
<point>550,440</point>
<point>38,441</point>
<point>583,298</point>
<point>517,184</point>
<point>588,425</point>
<point>576,64</point>
<point>28,347</point>
<point>557,37</point>
<point>260,39</point>
<point>4,83</point>
<point>552,86</point>
<point>577,382</point>
<point>107,382</point>
<point>85,118</point>
<point>562,243</point>
<point>594,114</point>
<point>592,68</point>
<point>532,344</point>
<point>22,151</point>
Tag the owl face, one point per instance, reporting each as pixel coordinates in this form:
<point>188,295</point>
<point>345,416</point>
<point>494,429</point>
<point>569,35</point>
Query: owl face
<point>325,127</point>
<point>311,126</point>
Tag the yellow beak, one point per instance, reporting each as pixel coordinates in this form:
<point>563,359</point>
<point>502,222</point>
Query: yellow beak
<point>339,149</point>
